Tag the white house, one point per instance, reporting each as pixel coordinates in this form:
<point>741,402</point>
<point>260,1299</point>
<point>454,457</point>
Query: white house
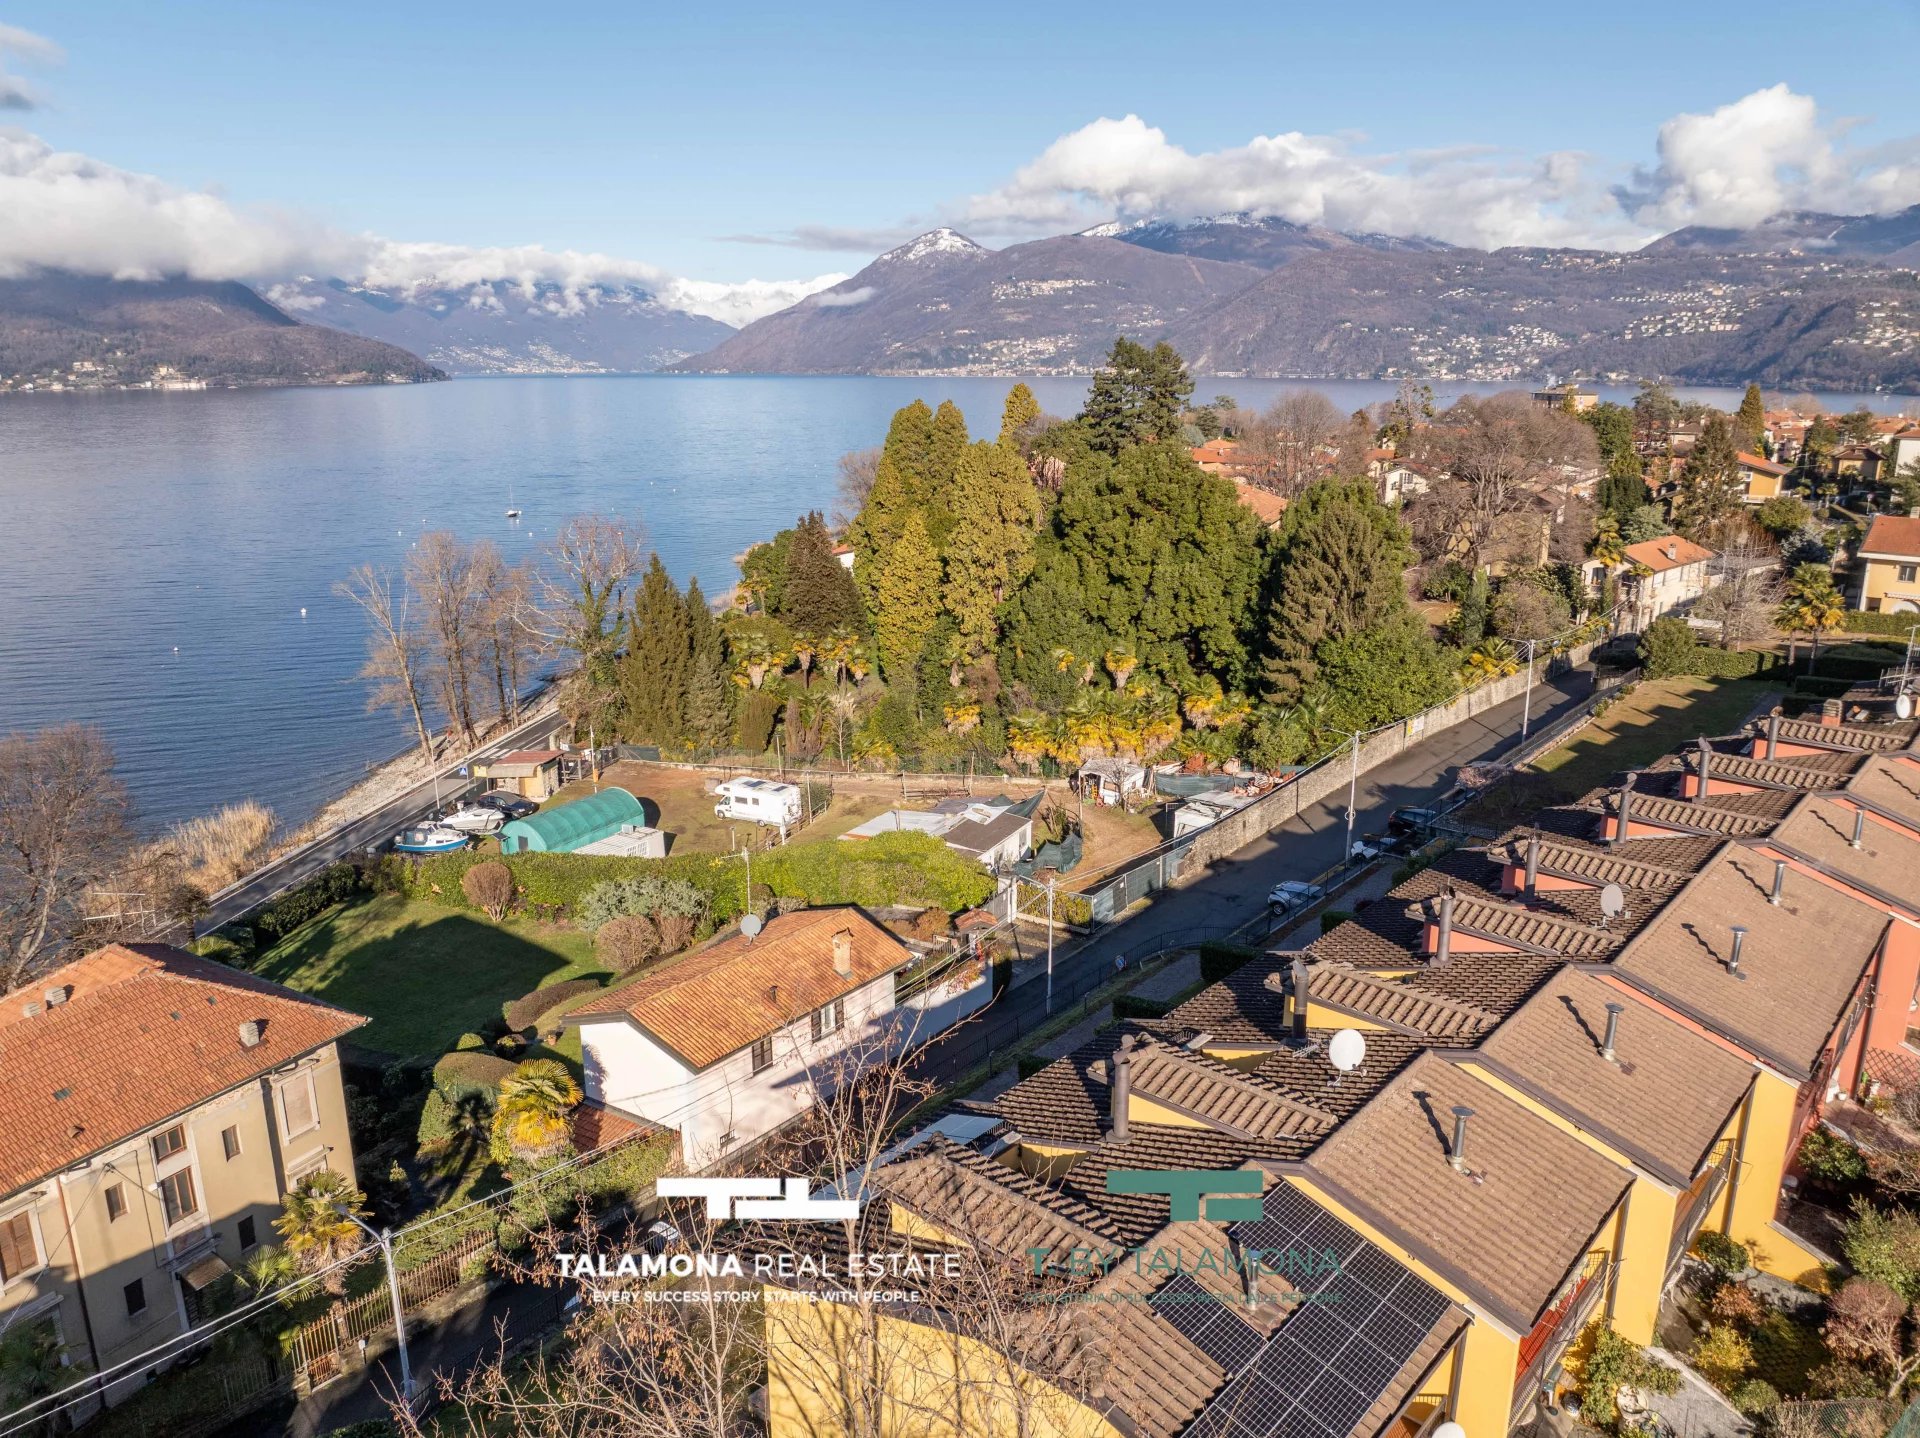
<point>738,1039</point>
<point>763,801</point>
<point>1665,575</point>
<point>993,834</point>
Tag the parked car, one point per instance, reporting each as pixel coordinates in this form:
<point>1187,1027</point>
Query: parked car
<point>1289,896</point>
<point>1412,821</point>
<point>512,805</point>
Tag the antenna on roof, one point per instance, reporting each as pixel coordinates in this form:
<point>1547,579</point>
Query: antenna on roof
<point>1613,903</point>
<point>1347,1051</point>
<point>751,925</point>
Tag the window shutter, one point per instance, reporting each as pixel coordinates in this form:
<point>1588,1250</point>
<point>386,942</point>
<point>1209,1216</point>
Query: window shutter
<point>17,1250</point>
<point>296,1104</point>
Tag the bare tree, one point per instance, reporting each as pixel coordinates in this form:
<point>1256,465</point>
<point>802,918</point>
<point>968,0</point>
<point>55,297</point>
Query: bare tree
<point>63,830</point>
<point>1503,456</point>
<point>1744,601</point>
<point>394,647</point>
<point>580,602</point>
<point>504,603</point>
<point>857,469</point>
<point>1301,438</point>
<point>443,577</point>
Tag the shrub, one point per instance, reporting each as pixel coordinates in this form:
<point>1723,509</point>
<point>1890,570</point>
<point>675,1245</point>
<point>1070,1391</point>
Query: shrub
<point>1861,622</point>
<point>1737,1304</point>
<point>222,950</point>
<point>1722,1355</point>
<point>1031,1064</point>
<point>1614,1363</point>
<point>1754,1396</point>
<point>1722,1254</point>
<point>460,1073</point>
<point>1831,1158</point>
<point>528,1010</point>
<point>1820,687</point>
<point>930,925</point>
<point>1884,1246</point>
<point>1331,919</point>
<point>1133,1006</point>
<point>626,942</point>
<point>333,885</point>
<point>489,888</point>
<point>1835,1379</point>
<point>1217,960</point>
<point>1667,648</point>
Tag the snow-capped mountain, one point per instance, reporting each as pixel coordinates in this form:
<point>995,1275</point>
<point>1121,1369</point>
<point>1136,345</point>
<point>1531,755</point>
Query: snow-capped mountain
<point>1262,241</point>
<point>932,244</point>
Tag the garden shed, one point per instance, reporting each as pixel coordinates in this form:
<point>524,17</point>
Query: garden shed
<point>563,828</point>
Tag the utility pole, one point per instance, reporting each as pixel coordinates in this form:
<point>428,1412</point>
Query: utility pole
<point>1353,795</point>
<point>1050,879</point>
<point>385,1239</point>
<point>1526,705</point>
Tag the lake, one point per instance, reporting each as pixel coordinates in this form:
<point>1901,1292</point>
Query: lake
<point>171,557</point>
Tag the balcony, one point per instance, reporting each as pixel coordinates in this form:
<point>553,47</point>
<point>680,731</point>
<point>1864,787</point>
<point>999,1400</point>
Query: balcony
<point>1542,1349</point>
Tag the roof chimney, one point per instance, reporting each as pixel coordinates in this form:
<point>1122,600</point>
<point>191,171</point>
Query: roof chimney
<point>250,1034</point>
<point>1626,802</point>
<point>1830,712</point>
<point>1779,882</point>
<point>1859,827</point>
<point>1300,1001</point>
<point>1122,1091</point>
<point>1533,862</point>
<point>1613,1030</point>
<point>1457,1150</point>
<point>1739,943</point>
<point>843,953</point>
<point>57,995</point>
<point>1703,769</point>
<point>1773,733</point>
<point>1443,944</point>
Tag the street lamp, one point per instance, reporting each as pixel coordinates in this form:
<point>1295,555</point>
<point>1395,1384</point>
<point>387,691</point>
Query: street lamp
<point>1353,792</point>
<point>1526,707</point>
<point>385,1239</point>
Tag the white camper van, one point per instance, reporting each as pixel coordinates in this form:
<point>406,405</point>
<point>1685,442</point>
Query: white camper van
<point>761,801</point>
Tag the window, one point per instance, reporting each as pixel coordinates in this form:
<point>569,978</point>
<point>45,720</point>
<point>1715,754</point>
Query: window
<point>762,1054</point>
<point>249,1236</point>
<point>230,1143</point>
<point>19,1246</point>
<point>166,1145</point>
<point>826,1020</point>
<point>136,1294</point>
<point>116,1202</point>
<point>1909,572</point>
<point>297,1112</point>
<point>176,1193</point>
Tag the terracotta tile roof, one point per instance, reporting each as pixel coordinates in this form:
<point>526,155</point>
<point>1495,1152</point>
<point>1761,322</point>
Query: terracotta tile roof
<point>1800,963</point>
<point>144,1033</point>
<point>1532,930</point>
<point>1760,464</point>
<point>1667,552</point>
<point>1887,863</point>
<point>1663,1101</point>
<point>1510,1228</point>
<point>1801,771</point>
<point>1397,1005</point>
<point>1265,504</point>
<point>721,999</point>
<point>1894,535</point>
<point>989,1204</point>
<point>1723,815</point>
<point>1862,737</point>
<point>1589,864</point>
<point>596,1126</point>
<point>1219,1096</point>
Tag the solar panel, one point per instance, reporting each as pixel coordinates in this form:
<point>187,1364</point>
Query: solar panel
<point>1207,1323</point>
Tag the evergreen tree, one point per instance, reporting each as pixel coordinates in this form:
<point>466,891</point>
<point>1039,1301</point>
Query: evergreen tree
<point>1137,396</point>
<point>995,508</point>
<point>1816,451</point>
<point>1047,641</point>
<point>1709,489</point>
<point>653,678</point>
<point>1384,672</point>
<point>1750,420</point>
<point>906,601</point>
<point>877,527</point>
<point>1621,494</point>
<point>709,710</point>
<point>1021,410</point>
<point>936,497</point>
<point>819,596</point>
<point>909,438</point>
<point>1340,560</point>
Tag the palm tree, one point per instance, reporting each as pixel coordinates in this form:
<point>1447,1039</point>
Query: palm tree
<point>1121,663</point>
<point>33,1364</point>
<point>1811,606</point>
<point>1608,547</point>
<point>1027,738</point>
<point>530,1116</point>
<point>315,1226</point>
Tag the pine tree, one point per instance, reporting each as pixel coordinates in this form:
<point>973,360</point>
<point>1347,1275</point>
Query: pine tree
<point>653,678</point>
<point>877,527</point>
<point>907,601</point>
<point>1021,410</point>
<point>709,711</point>
<point>995,510</point>
<point>944,453</point>
<point>819,596</point>
<point>1137,396</point>
<point>1709,488</point>
<point>909,438</point>
<point>1750,421</point>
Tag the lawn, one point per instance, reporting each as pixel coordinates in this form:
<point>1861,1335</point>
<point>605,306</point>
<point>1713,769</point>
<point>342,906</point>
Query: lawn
<point>1639,728</point>
<point>424,974</point>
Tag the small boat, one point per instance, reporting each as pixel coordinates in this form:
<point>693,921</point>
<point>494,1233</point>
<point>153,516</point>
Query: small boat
<point>513,514</point>
<point>473,819</point>
<point>429,839</point>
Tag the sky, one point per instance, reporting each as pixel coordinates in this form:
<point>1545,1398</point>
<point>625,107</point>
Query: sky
<point>711,145</point>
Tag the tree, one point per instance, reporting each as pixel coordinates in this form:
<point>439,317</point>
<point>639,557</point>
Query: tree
<point>530,1117</point>
<point>1744,601</point>
<point>1668,647</point>
<point>394,647</point>
<point>944,450</point>
<point>1817,449</point>
<point>63,830</point>
<point>1136,397</point>
<point>1750,420</point>
<point>1710,492</point>
<point>1619,493</point>
<point>709,711</point>
<point>1501,457</point>
<point>906,601</point>
<point>441,575</point>
<point>1303,437</point>
<point>1782,515</point>
<point>909,439</point>
<point>1384,672</point>
<point>1019,415</point>
<point>1810,605</point>
<point>1867,1322</point>
<point>580,604</point>
<point>1339,562</point>
<point>489,888</point>
<point>1904,487</point>
<point>819,596</point>
<point>858,470</point>
<point>1649,521</point>
<point>1410,408</point>
<point>315,1228</point>
<point>504,595</point>
<point>654,675</point>
<point>876,529</point>
<point>995,508</point>
<point>1523,611</point>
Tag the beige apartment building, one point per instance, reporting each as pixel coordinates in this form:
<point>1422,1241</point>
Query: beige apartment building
<point>154,1107</point>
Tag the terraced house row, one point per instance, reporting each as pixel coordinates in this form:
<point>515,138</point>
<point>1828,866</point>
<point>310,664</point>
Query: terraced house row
<point>1586,1043</point>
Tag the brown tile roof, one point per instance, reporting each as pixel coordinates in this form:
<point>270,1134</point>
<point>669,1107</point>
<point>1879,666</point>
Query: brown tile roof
<point>989,1204</point>
<point>1889,784</point>
<point>1241,1008</point>
<point>1397,1005</point>
<point>1589,864</point>
<point>1723,815</point>
<point>1800,772</point>
<point>1886,864</point>
<point>737,990</point>
<point>1219,1096</point>
<point>1841,736</point>
<point>1511,1227</point>
<point>1663,1101</point>
<point>1760,464</point>
<point>1800,963</point>
<point>596,1126</point>
<point>1532,929</point>
<point>145,1032</point>
<point>1157,1146</point>
<point>1892,534</point>
<point>1667,552</point>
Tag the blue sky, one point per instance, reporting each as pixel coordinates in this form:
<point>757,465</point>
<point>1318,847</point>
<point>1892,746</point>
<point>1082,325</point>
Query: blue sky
<point>654,133</point>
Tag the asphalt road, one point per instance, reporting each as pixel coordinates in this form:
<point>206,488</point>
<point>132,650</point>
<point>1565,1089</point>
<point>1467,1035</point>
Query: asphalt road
<point>389,819</point>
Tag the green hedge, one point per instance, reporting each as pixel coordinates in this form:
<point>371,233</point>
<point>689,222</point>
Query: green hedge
<point>1822,688</point>
<point>527,1012</point>
<point>1217,960</point>
<point>331,886</point>
<point>1860,622</point>
<point>1031,1064</point>
<point>915,870</point>
<point>1711,663</point>
<point>1133,1006</point>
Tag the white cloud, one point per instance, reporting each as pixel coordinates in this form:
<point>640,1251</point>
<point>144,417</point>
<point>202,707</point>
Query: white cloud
<point>1767,152</point>
<point>15,93</point>
<point>746,301</point>
<point>847,300</point>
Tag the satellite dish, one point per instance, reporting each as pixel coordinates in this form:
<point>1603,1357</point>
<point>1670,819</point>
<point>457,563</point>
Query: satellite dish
<point>751,925</point>
<point>1347,1050</point>
<point>1449,1430</point>
<point>1903,705</point>
<point>1613,903</point>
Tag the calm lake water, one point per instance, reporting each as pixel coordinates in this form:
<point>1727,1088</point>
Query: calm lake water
<point>162,547</point>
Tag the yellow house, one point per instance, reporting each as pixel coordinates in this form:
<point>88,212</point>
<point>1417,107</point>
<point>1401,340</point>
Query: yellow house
<point>1889,566</point>
<point>1761,479</point>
